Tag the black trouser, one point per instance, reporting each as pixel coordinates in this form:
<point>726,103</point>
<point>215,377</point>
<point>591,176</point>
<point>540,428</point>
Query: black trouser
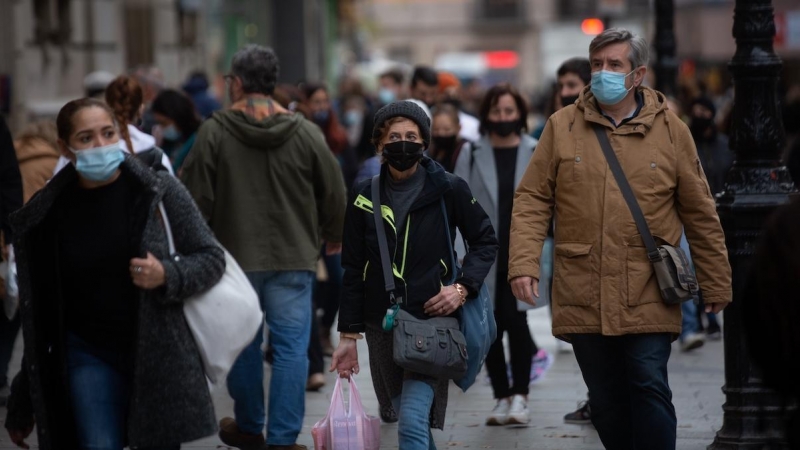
<point>330,291</point>
<point>520,343</point>
<point>628,389</point>
<point>316,362</point>
<point>9,329</point>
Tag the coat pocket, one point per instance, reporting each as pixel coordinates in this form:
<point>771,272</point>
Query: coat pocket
<point>574,279</point>
<point>641,283</point>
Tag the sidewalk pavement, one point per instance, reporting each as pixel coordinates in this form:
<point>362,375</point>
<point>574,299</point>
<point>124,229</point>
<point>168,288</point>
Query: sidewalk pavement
<point>695,378</point>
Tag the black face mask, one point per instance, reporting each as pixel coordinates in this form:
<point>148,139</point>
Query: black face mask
<point>699,125</point>
<point>567,100</point>
<point>445,142</point>
<point>504,129</point>
<point>402,155</point>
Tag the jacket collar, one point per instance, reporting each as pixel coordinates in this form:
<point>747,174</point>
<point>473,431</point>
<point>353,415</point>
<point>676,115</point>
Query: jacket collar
<point>485,165</point>
<point>436,182</point>
<point>35,211</point>
<point>654,104</point>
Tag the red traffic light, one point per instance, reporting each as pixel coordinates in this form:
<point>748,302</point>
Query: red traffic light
<point>592,26</point>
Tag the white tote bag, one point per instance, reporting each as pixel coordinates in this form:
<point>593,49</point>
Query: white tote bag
<point>224,319</point>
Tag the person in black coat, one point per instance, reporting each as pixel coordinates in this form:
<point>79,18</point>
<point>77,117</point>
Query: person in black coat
<point>770,310</point>
<point>10,201</point>
<point>109,359</point>
<point>412,189</point>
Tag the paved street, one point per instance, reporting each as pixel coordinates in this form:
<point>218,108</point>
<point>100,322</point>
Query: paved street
<point>695,378</point>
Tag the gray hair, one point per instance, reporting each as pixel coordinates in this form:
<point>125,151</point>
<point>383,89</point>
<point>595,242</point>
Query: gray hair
<point>257,66</point>
<point>640,51</point>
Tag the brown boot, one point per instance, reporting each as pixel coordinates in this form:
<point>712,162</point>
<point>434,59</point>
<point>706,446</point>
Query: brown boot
<point>315,382</point>
<point>229,434</point>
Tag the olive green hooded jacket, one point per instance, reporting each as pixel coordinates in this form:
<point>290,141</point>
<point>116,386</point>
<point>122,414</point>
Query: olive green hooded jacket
<point>268,185</point>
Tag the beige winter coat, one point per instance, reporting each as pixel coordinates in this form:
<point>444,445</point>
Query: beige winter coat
<point>603,281</point>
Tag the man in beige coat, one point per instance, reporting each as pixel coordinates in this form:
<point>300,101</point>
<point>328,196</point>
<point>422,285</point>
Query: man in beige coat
<point>606,299</point>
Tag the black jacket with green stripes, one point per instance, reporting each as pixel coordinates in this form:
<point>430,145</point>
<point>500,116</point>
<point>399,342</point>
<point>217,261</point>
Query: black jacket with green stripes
<point>420,250</point>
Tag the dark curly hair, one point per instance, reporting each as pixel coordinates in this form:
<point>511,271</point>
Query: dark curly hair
<point>179,108</point>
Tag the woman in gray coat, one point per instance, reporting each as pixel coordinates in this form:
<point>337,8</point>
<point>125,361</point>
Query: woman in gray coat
<point>109,359</point>
<point>493,167</point>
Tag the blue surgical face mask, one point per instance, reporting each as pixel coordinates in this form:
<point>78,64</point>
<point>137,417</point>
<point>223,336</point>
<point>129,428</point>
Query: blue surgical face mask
<point>386,96</point>
<point>99,163</point>
<point>171,133</point>
<point>609,87</point>
<point>353,117</point>
<point>321,117</point>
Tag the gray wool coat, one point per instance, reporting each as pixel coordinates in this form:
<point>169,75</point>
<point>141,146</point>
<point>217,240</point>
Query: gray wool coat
<point>170,400</point>
<point>477,166</point>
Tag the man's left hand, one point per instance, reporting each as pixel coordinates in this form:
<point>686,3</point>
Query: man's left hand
<point>715,308</point>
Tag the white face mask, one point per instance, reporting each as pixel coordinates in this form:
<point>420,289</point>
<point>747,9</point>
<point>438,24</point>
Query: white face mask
<point>98,163</point>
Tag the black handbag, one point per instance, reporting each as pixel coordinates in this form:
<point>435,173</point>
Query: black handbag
<point>434,347</point>
<point>676,280</point>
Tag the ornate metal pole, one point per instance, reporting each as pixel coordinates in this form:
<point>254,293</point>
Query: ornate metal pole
<point>757,184</point>
<point>666,66</point>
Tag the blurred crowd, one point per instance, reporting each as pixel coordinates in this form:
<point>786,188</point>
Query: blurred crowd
<point>177,127</point>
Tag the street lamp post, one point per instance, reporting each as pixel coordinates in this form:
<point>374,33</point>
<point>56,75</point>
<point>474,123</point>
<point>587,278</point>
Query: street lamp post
<point>666,66</point>
<point>754,416</point>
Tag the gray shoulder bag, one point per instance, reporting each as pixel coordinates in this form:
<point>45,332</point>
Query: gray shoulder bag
<point>434,347</point>
<point>673,270</point>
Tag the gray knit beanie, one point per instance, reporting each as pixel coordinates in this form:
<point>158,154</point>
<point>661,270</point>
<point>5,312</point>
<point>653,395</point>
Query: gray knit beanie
<point>406,109</point>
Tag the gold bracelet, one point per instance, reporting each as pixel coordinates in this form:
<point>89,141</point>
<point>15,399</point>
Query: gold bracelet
<point>462,291</point>
<point>355,336</point>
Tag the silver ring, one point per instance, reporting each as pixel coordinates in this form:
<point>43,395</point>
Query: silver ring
<point>137,269</point>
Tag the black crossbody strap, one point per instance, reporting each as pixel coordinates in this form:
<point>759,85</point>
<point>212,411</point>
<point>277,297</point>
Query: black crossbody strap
<point>627,193</point>
<point>388,277</point>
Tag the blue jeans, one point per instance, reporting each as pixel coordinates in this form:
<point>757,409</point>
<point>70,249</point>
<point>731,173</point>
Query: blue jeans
<point>286,301</point>
<point>690,323</point>
<point>628,389</point>
<point>100,386</point>
<point>414,409</point>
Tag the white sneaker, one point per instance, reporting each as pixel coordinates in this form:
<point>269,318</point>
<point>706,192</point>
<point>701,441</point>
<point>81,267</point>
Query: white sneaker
<point>692,342</point>
<point>518,413</point>
<point>499,415</point>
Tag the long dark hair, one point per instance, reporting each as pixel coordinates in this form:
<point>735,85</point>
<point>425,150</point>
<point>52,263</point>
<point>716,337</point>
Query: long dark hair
<point>335,135</point>
<point>179,108</point>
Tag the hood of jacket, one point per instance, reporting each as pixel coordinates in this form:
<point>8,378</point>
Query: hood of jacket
<point>256,126</point>
<point>31,148</point>
<point>141,141</point>
<point>655,104</point>
<point>37,208</point>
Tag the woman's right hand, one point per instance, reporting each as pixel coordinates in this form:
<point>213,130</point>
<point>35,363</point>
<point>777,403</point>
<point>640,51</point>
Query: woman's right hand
<point>18,436</point>
<point>345,358</point>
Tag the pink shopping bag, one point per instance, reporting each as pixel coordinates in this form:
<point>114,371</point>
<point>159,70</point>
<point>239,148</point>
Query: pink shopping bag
<point>347,428</point>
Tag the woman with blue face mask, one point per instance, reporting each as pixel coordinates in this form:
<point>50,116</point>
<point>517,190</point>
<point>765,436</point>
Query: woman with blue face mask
<point>179,121</point>
<point>109,359</point>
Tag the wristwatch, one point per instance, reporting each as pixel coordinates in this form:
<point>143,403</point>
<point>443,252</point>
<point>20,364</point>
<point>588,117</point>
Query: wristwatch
<point>355,336</point>
<point>462,292</point>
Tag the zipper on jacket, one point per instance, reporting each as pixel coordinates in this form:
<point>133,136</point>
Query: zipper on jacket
<point>364,277</point>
